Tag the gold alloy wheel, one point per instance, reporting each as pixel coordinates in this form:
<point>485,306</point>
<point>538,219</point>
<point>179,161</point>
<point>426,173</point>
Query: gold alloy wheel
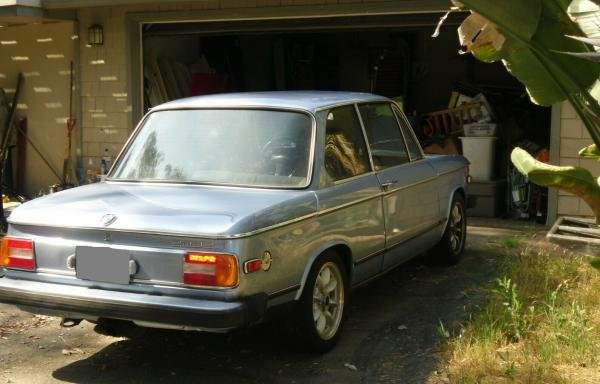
<point>328,300</point>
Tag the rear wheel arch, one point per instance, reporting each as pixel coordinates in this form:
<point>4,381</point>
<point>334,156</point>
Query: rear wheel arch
<point>342,250</point>
<point>458,191</point>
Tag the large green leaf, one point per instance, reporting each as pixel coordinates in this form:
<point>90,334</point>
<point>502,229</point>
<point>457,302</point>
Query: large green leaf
<point>590,152</point>
<point>534,31</point>
<point>520,17</point>
<point>576,180</point>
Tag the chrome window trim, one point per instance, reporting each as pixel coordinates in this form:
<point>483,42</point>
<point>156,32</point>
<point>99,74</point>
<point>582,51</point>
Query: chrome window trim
<point>389,103</point>
<point>358,118</point>
<point>401,118</point>
<point>365,137</point>
<point>346,180</point>
<point>350,102</point>
<point>311,155</point>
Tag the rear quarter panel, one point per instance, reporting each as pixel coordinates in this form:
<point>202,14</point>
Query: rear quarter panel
<point>452,177</point>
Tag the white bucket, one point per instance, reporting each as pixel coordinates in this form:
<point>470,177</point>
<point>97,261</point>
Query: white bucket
<point>480,152</point>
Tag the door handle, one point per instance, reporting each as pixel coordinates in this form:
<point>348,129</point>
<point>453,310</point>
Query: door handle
<point>386,185</point>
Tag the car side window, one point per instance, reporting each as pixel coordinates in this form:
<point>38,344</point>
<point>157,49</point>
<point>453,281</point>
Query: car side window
<point>411,142</point>
<point>385,139</point>
<point>345,148</point>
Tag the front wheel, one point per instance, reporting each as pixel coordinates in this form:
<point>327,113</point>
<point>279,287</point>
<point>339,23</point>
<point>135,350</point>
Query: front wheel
<point>322,303</point>
<point>450,248</point>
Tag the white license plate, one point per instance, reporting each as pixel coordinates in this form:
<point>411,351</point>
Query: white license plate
<point>102,264</point>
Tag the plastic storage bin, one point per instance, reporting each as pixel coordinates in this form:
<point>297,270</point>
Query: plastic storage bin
<point>480,129</point>
<point>480,151</point>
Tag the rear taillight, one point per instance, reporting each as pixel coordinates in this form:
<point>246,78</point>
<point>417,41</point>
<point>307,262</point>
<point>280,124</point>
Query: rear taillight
<point>210,269</point>
<point>468,177</point>
<point>17,253</point>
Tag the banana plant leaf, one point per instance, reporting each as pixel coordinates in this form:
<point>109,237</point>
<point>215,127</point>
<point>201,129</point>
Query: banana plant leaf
<point>529,36</point>
<point>576,180</point>
<point>590,152</point>
<point>534,30</point>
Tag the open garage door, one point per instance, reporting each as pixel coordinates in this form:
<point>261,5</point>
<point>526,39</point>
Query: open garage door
<point>391,55</point>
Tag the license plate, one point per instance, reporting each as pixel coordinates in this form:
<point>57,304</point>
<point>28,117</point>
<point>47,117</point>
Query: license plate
<point>102,264</point>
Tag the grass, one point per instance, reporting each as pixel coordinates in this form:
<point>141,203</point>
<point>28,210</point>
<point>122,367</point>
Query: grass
<point>540,325</point>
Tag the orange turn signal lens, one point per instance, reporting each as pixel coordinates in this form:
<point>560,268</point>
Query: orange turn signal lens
<point>17,253</point>
<point>210,269</point>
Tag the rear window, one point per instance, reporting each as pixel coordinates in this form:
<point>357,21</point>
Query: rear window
<point>230,147</point>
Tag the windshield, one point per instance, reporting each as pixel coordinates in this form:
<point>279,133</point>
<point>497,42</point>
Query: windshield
<point>234,147</point>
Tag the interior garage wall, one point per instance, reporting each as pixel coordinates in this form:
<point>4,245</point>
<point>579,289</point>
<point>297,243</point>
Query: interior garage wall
<point>42,52</point>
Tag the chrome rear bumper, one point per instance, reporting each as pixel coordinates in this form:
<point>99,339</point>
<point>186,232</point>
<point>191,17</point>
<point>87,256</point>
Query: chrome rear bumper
<point>65,300</point>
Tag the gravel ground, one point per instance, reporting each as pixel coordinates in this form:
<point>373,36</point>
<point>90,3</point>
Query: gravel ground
<point>391,336</point>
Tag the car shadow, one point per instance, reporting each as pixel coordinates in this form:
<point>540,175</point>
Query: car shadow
<point>391,335</point>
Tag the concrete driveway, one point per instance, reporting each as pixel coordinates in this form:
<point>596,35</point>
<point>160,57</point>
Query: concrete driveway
<point>391,335</point>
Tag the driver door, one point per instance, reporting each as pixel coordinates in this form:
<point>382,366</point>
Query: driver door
<point>410,201</point>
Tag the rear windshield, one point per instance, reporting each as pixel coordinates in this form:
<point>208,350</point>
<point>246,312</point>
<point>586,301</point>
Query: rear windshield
<point>228,147</point>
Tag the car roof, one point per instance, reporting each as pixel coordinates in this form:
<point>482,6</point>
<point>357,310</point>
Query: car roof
<point>304,100</point>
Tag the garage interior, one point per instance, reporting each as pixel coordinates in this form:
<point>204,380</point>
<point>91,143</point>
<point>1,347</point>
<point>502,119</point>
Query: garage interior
<point>441,91</point>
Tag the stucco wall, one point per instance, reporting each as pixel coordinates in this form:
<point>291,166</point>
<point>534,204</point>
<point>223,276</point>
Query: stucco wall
<point>42,52</point>
<point>573,137</point>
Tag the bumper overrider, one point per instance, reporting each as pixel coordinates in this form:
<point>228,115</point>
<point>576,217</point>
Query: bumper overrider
<point>207,315</point>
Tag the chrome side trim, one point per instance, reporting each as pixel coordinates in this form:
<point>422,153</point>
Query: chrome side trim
<point>427,229</point>
<point>450,171</point>
<point>210,236</point>
<point>177,234</point>
<point>50,271</point>
<point>410,185</point>
<point>386,249</point>
<point>369,257</point>
<point>342,206</point>
<point>284,291</point>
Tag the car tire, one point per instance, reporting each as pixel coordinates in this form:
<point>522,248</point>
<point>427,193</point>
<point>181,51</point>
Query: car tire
<point>450,248</point>
<point>320,314</point>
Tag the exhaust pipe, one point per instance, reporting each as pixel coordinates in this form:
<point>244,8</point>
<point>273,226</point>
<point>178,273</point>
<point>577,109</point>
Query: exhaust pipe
<point>69,323</point>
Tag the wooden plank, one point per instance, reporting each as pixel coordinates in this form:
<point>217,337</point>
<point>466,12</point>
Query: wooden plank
<point>580,231</point>
<point>575,239</point>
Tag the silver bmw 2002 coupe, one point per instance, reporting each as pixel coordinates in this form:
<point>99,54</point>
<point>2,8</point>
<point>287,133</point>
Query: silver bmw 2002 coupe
<point>221,208</point>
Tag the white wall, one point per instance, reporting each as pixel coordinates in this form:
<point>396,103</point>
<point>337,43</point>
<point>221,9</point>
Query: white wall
<point>573,137</point>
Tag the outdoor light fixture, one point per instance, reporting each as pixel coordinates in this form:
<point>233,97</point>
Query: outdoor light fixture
<point>95,35</point>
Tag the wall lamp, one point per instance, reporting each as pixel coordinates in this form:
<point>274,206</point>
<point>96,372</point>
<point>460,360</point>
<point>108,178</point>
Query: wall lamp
<point>96,35</point>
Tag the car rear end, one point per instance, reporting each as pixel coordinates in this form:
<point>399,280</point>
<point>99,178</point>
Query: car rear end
<point>148,279</point>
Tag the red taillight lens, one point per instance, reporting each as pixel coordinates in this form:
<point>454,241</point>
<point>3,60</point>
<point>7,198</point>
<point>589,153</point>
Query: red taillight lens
<point>252,265</point>
<point>17,253</point>
<point>210,269</point>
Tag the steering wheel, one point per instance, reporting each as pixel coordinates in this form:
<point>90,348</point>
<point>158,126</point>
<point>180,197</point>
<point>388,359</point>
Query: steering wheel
<point>278,155</point>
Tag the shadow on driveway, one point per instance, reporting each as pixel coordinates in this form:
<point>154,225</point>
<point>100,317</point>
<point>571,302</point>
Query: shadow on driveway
<point>391,335</point>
